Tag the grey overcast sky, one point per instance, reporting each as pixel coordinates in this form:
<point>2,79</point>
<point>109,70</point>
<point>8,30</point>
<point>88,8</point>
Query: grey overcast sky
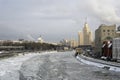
<point>54,20</point>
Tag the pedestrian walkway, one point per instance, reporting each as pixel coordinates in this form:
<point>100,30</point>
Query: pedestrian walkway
<point>100,63</point>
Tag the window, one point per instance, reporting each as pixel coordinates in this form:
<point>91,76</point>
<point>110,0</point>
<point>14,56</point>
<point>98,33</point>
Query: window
<point>108,30</point>
<point>103,30</point>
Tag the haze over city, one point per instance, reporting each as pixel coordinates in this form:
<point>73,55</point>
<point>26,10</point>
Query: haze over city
<point>54,19</point>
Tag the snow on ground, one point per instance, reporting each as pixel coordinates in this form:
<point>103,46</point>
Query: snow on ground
<point>14,63</point>
<point>117,69</point>
<point>63,66</point>
<point>55,66</point>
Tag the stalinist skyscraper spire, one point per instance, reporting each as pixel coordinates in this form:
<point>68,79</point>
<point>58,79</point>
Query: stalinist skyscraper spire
<point>85,37</point>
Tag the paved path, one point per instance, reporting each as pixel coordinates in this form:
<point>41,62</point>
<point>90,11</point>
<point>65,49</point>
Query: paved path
<point>116,64</point>
<point>62,66</point>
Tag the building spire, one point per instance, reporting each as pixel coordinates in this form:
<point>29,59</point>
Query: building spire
<point>86,27</point>
<point>85,20</point>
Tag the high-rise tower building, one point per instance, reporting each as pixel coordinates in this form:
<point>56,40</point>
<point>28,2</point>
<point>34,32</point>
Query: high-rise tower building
<point>80,38</point>
<point>85,37</point>
<point>104,33</point>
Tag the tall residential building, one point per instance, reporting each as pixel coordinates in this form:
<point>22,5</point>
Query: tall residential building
<point>80,38</point>
<point>104,33</point>
<point>85,37</point>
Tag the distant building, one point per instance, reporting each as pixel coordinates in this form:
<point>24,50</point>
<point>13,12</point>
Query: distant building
<point>73,43</point>
<point>104,33</point>
<point>65,42</point>
<point>20,39</point>
<point>80,38</point>
<point>118,32</point>
<point>40,40</point>
<point>69,43</point>
<point>85,37</point>
<point>53,43</point>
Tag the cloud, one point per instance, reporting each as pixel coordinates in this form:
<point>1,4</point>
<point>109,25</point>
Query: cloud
<point>105,10</point>
<point>55,19</point>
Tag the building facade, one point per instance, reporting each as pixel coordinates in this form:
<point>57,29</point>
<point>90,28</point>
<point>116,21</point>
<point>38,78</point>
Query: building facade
<point>40,40</point>
<point>104,33</point>
<point>80,38</point>
<point>118,32</point>
<point>69,43</point>
<point>85,37</point>
<point>73,43</point>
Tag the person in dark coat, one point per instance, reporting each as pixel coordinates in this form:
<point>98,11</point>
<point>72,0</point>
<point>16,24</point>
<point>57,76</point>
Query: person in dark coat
<point>109,56</point>
<point>106,49</point>
<point>103,46</point>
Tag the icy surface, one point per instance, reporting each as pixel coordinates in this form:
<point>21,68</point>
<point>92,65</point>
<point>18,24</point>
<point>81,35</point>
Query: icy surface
<point>63,66</point>
<point>55,66</point>
<point>9,68</point>
<point>113,68</point>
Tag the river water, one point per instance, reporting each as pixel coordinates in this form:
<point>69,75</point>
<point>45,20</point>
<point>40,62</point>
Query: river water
<point>53,66</point>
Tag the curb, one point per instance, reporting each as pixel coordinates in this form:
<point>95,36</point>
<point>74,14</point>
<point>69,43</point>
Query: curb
<point>99,63</point>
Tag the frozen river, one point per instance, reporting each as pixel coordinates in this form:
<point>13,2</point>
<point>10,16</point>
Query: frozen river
<point>52,66</point>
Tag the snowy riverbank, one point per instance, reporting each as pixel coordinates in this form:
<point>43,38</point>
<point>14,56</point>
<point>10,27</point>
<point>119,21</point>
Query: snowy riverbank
<point>55,66</point>
<point>99,63</point>
<point>14,63</point>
